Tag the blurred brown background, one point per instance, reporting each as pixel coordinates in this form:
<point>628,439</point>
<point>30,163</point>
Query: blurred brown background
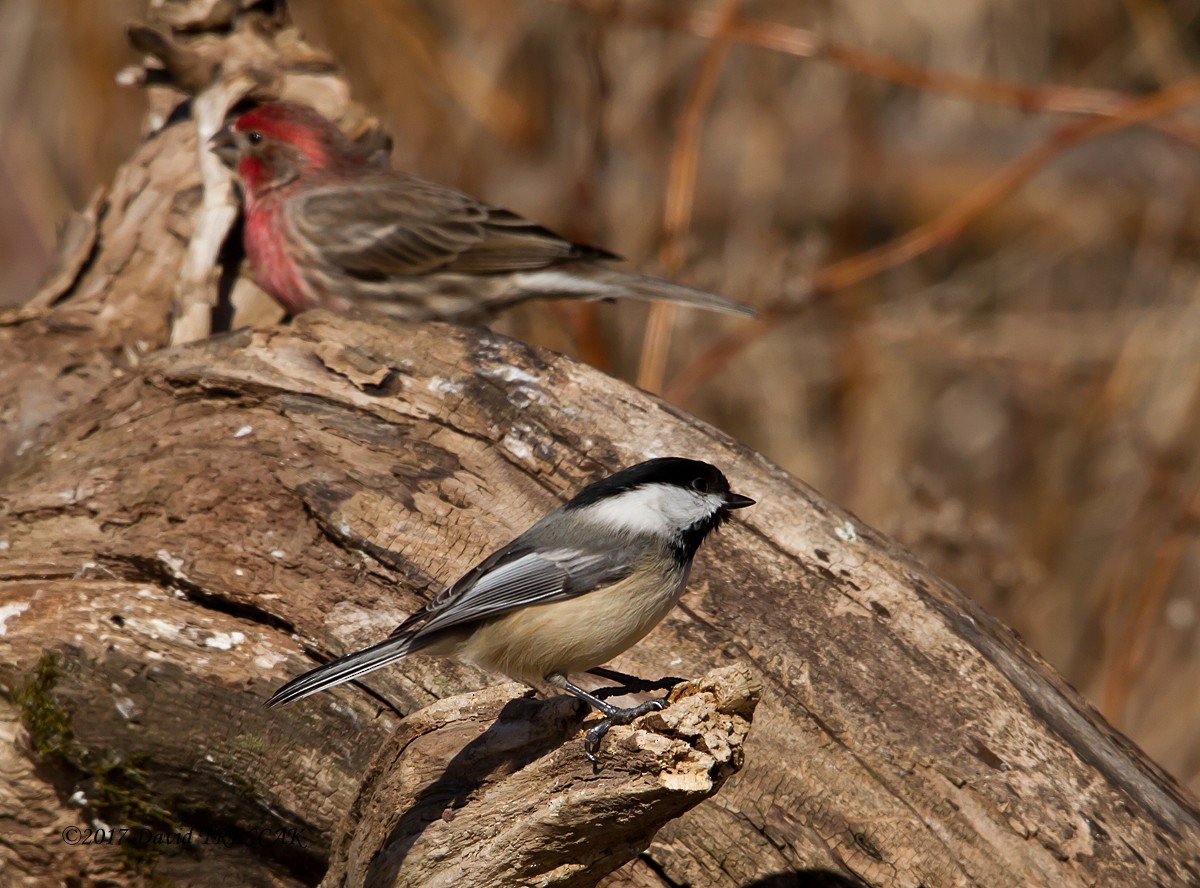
<point>1020,405</point>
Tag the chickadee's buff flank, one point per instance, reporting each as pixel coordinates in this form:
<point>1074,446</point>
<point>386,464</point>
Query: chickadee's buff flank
<point>575,590</point>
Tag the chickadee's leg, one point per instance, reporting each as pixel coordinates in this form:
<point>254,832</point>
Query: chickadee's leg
<point>613,715</point>
<point>630,684</point>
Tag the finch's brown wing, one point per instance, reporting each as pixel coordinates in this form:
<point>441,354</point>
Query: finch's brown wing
<point>394,225</point>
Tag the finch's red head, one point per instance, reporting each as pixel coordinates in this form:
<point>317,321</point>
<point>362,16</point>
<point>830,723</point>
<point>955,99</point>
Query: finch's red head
<point>276,143</point>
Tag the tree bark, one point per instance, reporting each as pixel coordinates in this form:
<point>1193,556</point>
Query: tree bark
<point>183,528</point>
<point>482,791</point>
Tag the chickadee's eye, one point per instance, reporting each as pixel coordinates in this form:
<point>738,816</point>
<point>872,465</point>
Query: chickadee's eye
<point>254,136</point>
<point>700,485</point>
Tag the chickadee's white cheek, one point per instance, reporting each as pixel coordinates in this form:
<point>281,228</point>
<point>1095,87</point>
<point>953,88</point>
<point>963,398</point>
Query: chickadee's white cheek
<point>661,509</point>
<point>637,511</point>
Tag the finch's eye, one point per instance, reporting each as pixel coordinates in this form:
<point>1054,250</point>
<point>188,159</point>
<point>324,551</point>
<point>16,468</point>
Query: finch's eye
<point>700,485</point>
<point>254,136</point>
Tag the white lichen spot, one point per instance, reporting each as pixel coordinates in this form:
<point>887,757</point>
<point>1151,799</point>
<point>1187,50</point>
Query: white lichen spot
<point>4,544</point>
<point>509,373</point>
<point>444,386</point>
<point>277,553</point>
<point>676,661</point>
<point>174,565</point>
<point>846,532</point>
<point>243,431</point>
<point>126,708</point>
<point>238,572</point>
<point>224,641</point>
<point>268,661</point>
<point>8,611</point>
<point>78,799</point>
<point>162,627</point>
<point>517,447</point>
<point>145,593</point>
<point>179,593</point>
<point>344,711</point>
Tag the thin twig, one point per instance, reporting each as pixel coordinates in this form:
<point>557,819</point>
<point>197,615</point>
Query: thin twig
<point>1000,185</point>
<point>800,42</point>
<point>681,192</point>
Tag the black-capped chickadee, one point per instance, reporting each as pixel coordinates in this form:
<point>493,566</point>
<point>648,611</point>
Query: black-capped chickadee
<point>572,592</point>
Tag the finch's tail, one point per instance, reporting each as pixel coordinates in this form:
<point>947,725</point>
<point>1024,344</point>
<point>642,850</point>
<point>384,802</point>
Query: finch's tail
<point>593,281</point>
<point>640,286</point>
<point>345,668</point>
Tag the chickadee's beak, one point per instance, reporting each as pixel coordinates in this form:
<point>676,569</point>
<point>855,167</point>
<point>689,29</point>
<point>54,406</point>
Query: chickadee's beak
<point>225,146</point>
<point>737,501</point>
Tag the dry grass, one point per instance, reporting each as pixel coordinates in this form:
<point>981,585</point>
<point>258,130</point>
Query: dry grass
<point>970,224</point>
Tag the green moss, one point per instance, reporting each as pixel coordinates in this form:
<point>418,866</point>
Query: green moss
<point>244,783</point>
<point>48,724</point>
<point>121,790</point>
<point>250,743</point>
<point>118,789</point>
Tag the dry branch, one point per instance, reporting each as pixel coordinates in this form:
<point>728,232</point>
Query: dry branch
<point>847,273</point>
<point>491,789</point>
<point>327,477</point>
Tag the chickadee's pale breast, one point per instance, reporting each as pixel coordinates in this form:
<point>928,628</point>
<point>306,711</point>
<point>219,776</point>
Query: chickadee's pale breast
<point>577,634</point>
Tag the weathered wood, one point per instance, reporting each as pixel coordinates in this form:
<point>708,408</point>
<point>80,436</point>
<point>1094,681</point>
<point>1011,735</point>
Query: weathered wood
<point>486,789</point>
<point>903,737</point>
<point>181,530</point>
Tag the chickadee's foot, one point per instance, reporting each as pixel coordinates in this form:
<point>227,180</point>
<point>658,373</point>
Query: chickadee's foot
<point>615,716</point>
<point>631,684</point>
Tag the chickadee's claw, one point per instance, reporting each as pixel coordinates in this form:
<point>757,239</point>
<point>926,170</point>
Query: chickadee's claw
<point>595,735</point>
<point>631,684</point>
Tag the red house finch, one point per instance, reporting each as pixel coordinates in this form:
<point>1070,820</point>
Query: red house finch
<point>326,226</point>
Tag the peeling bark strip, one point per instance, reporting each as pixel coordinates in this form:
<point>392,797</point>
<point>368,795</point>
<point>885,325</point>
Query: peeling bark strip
<point>233,492</point>
<point>138,268</point>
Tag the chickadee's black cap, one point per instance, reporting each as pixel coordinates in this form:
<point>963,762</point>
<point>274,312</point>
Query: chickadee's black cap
<point>673,470</point>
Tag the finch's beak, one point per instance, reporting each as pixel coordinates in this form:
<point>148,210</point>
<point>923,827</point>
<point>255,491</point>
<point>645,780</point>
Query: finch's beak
<point>225,146</point>
<point>737,501</point>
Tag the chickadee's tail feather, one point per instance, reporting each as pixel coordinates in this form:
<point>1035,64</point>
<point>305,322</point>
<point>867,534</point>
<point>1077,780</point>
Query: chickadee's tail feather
<point>344,669</point>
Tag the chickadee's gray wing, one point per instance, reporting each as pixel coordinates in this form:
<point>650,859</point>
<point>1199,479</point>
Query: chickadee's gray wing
<point>538,567</point>
<point>520,578</point>
<point>514,577</point>
<point>395,225</point>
